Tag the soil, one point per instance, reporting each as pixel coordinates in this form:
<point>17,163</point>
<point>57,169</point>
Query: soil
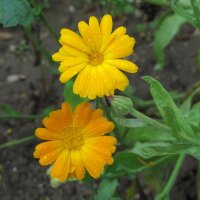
<point>33,88</point>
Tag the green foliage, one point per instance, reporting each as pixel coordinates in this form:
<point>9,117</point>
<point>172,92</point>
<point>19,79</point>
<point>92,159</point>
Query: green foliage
<point>169,111</point>
<point>118,7</point>
<point>164,34</point>
<point>106,189</point>
<point>15,12</point>
<point>70,97</point>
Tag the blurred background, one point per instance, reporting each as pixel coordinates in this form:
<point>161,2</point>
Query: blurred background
<point>167,48</point>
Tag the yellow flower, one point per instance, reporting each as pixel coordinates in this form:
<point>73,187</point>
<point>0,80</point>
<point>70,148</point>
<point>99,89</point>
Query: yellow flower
<point>96,56</point>
<point>77,142</point>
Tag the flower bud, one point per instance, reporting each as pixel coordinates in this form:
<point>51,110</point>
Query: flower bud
<point>121,105</point>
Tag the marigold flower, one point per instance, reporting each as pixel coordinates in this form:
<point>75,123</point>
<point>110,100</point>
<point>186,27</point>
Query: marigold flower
<point>96,56</point>
<point>77,142</point>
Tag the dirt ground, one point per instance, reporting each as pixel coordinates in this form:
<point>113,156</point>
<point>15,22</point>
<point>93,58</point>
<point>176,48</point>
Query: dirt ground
<point>21,177</point>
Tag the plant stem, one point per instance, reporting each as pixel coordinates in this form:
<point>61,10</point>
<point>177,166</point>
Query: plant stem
<point>97,103</point>
<point>149,120</point>
<point>17,142</point>
<point>20,116</point>
<point>44,20</point>
<point>166,191</point>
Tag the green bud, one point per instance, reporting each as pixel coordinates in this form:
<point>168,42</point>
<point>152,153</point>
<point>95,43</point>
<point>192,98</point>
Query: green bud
<point>121,105</point>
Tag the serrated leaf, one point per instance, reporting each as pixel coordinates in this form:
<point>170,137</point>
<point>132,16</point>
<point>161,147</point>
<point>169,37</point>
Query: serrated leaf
<point>107,189</point>
<point>70,97</point>
<point>15,12</point>
<point>166,31</point>
<point>169,110</point>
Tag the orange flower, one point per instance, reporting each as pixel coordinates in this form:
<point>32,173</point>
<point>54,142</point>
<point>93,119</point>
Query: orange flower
<point>76,142</point>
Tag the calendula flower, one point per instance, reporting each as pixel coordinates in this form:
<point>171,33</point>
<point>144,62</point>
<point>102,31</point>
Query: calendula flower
<point>76,142</point>
<point>96,56</point>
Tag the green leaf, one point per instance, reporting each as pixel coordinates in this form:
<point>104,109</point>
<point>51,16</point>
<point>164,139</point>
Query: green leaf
<point>70,97</point>
<point>184,11</point>
<point>148,150</point>
<point>107,189</point>
<point>168,109</point>
<point>146,134</point>
<point>7,110</point>
<point>128,122</point>
<point>15,12</point>
<point>166,31</point>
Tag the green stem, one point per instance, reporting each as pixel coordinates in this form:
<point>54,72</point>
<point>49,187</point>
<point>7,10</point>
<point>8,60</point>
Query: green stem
<point>37,44</point>
<point>20,116</point>
<point>166,191</point>
<point>45,21</point>
<point>149,120</point>
<point>97,103</point>
<point>17,142</point>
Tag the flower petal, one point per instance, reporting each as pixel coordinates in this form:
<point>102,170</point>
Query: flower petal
<point>67,113</point>
<point>119,79</point>
<point>80,169</point>
<point>98,127</point>
<point>95,32</point>
<point>124,65</point>
<point>93,163</point>
<point>69,72</point>
<point>46,134</point>
<point>50,157</point>
<point>46,147</point>
<point>67,51</point>
<point>85,32</point>
<point>60,168</point>
<point>82,114</point>
<point>106,27</point>
<point>70,38</point>
<point>117,50</point>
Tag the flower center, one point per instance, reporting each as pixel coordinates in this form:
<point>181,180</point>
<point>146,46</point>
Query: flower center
<point>73,138</point>
<point>95,58</point>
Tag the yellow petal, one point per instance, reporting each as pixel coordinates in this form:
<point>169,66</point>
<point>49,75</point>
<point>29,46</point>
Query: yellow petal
<point>120,31</point>
<point>121,47</point>
<point>81,82</point>
<point>70,72</point>
<point>106,27</point>
<point>60,168</point>
<point>119,79</point>
<point>124,65</point>
<point>67,51</point>
<point>72,61</point>
<point>95,32</point>
<point>70,38</point>
<point>50,157</point>
<point>85,32</point>
<point>46,134</point>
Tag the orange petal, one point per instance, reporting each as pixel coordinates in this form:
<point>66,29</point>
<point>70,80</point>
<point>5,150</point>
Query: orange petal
<point>83,114</point>
<point>93,163</point>
<point>60,168</point>
<point>67,113</point>
<point>46,147</point>
<point>46,134</point>
<point>50,157</point>
<point>98,127</point>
